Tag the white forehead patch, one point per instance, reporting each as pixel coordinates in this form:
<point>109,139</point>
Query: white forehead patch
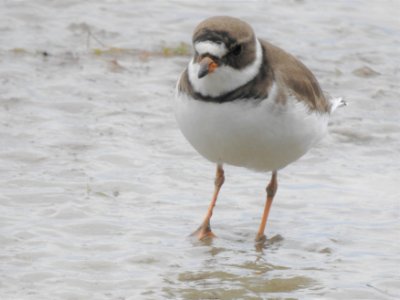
<point>216,49</point>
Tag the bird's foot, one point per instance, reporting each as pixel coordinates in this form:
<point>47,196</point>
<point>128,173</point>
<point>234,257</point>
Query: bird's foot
<point>204,232</point>
<point>261,239</point>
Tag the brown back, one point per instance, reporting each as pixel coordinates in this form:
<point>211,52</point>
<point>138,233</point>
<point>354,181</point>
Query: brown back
<point>292,74</point>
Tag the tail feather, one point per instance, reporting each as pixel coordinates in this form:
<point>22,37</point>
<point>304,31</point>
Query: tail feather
<point>337,102</point>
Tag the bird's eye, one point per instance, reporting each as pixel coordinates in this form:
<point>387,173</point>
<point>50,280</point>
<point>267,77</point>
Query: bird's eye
<point>237,50</point>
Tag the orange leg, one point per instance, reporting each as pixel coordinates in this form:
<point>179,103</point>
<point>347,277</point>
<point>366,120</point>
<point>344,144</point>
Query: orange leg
<point>271,191</point>
<point>204,231</point>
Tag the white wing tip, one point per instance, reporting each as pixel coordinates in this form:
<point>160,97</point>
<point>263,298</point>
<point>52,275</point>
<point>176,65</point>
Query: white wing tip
<point>337,102</point>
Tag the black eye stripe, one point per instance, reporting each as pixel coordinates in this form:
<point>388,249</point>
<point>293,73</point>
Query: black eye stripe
<point>216,37</point>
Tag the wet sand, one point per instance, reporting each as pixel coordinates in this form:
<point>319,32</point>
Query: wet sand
<point>99,190</point>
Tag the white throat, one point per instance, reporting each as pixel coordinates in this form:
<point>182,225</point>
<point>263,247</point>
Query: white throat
<point>225,78</point>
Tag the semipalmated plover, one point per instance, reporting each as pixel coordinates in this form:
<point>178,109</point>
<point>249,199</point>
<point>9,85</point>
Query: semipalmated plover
<point>245,102</point>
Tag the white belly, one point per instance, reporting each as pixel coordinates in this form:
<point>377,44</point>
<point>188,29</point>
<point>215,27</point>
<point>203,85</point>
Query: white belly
<point>260,135</point>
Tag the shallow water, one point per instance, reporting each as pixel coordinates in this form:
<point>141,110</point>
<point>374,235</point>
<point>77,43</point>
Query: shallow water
<point>99,190</point>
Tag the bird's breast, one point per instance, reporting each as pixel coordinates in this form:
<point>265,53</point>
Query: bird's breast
<point>262,135</point>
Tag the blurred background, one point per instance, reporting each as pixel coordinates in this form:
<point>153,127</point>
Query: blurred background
<point>99,190</point>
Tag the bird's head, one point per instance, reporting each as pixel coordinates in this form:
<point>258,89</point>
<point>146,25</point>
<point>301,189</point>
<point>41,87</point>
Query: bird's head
<point>226,55</point>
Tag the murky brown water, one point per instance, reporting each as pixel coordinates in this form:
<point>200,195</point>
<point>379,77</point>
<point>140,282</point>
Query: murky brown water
<point>99,190</point>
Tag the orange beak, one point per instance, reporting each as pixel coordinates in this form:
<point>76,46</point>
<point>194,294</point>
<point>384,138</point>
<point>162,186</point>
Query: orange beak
<point>207,66</point>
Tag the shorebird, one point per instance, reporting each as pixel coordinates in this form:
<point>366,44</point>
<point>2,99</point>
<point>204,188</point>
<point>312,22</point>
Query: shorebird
<point>245,102</point>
